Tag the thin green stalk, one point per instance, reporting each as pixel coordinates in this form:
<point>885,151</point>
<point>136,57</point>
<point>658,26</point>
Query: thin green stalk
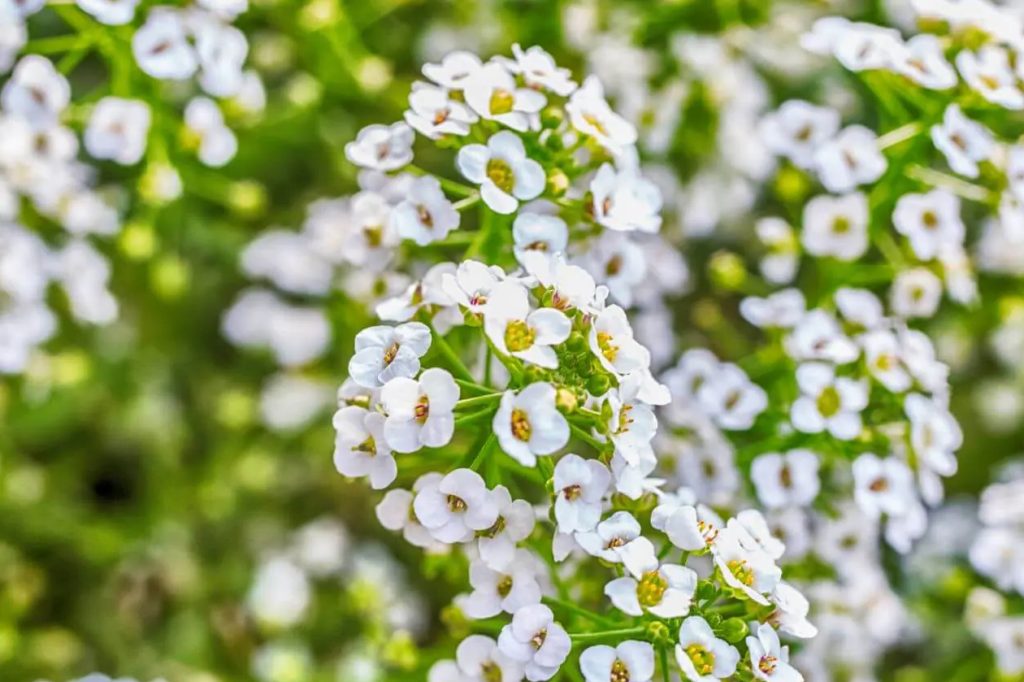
<point>476,401</point>
<point>457,366</point>
<point>473,416</point>
<point>466,203</point>
<point>901,134</point>
<point>961,188</point>
<point>481,456</point>
<point>473,386</point>
<point>663,655</point>
<point>450,186</point>
<point>585,637</point>
<point>579,611</point>
<point>586,437</point>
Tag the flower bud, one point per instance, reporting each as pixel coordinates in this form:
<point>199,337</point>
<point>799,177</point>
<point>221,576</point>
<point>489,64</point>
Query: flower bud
<point>659,633</point>
<point>598,384</point>
<point>558,182</point>
<point>565,400</point>
<point>733,630</point>
<point>551,117</point>
<point>727,270</point>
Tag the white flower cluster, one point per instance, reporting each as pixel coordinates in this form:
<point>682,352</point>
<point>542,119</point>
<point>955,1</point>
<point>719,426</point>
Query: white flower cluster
<point>545,455</point>
<point>996,555</point>
<point>39,165</point>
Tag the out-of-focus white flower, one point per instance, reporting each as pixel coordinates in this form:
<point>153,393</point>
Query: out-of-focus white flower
<point>382,147</point>
<point>110,12</point>
<point>280,592</point>
<point>36,92</point>
<point>828,402</point>
<point>797,129</point>
<point>217,144</point>
<point>625,201</point>
<point>849,159</point>
<point>962,141</point>
<point>580,486</point>
<point>916,293</point>
<point>786,479</point>
<point>426,215</point>
<point>535,640</point>
<point>836,226</point>
<point>591,115</point>
<point>117,130</point>
<point>161,46</point>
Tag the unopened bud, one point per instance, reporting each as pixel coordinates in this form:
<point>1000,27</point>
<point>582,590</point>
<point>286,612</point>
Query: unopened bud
<point>565,400</point>
<point>733,630</point>
<point>558,182</point>
<point>727,270</point>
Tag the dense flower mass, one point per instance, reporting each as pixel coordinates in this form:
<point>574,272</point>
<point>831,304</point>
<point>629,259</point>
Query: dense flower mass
<point>679,364</point>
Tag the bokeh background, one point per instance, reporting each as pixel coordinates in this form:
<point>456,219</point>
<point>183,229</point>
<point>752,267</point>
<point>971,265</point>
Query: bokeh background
<point>147,481</point>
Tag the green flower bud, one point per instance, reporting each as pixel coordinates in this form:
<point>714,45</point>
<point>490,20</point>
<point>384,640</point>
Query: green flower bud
<point>598,384</point>
<point>727,270</point>
<point>733,630</point>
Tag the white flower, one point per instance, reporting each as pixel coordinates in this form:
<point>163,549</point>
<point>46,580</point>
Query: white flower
<point>507,589</point>
<point>356,230</point>
<point>929,221</point>
<point>828,402</point>
<point>117,130</point>
<point>539,70</point>
<point>381,147</point>
<point>221,49</point>
<point>989,73</point>
<point>426,215</point>
<point>434,114</point>
<point>617,262</point>
<point>702,656</point>
<point>611,340</point>
<point>541,233</point>
<point>922,61</point>
<point>295,334</point>
<point>534,639</point>
<point>36,92</point>
<point>478,659</point>
<point>786,479</point>
<point>617,540</point>
<point>109,12</point>
<point>625,201</point>
<point>797,129</point>
<point>383,352</point>
<point>664,590</point>
<point>859,307</point>
<point>360,448</point>
<point>505,175</point>
<point>780,263</point>
<point>217,144</point>
<point>456,506</point>
<point>280,593</point>
<point>769,660</point>
<point>818,336</point>
<point>731,398</point>
<point>515,522</point>
<point>454,70</point>
<point>866,46</point>
<point>161,46</point>
<point>528,424</point>
<point>288,260</point>
<point>631,423</point>
<point>427,293</point>
<point>963,142</point>
<point>1006,637</point>
<point>419,412</point>
<point>491,92</point>
<point>934,432</point>
<point>687,527</point>
<point>471,284</point>
<point>631,660</point>
<point>836,226</point>
<point>580,486</point>
<point>395,512</point>
<point>916,292</point>
<point>783,309</point>
<point>751,529</point>
<point>791,609</point>
<point>590,114</point>
<point>883,357</point>
<point>882,486</point>
<point>849,159</point>
<point>527,334</point>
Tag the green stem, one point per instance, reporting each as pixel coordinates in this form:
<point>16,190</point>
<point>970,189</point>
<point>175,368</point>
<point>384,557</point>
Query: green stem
<point>579,611</point>
<point>457,366</point>
<point>450,186</point>
<point>63,43</point>
<point>476,401</point>
<point>488,445</point>
<point>473,386</point>
<point>586,437</point>
<point>584,637</point>
<point>961,188</point>
<point>663,655</point>
<point>473,416</point>
<point>466,203</point>
<point>901,134</point>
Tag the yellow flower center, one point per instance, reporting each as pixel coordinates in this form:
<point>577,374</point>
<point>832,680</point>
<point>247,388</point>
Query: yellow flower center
<point>504,585</point>
<point>741,569</point>
<point>422,409</point>
<point>608,349</point>
<point>501,175</point>
<point>519,336</point>
<point>369,446</point>
<point>390,353</point>
<point>620,673</point>
<point>502,101</point>
<point>520,425</point>
<point>828,402</point>
<point>538,639</point>
<point>767,664</point>
<point>703,660</point>
<point>456,504</point>
<point>651,589</point>
<point>572,492</point>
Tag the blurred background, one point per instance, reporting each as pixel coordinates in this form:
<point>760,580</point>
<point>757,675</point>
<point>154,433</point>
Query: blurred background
<point>168,503</point>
